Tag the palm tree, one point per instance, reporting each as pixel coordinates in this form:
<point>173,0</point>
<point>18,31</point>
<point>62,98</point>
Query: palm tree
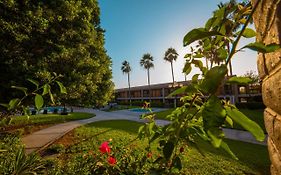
<point>147,63</point>
<point>126,69</point>
<point>170,56</point>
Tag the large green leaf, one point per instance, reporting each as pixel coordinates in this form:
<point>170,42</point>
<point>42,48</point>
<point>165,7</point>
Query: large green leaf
<point>187,68</point>
<point>36,83</point>
<point>222,54</point>
<point>38,101</point>
<point>213,79</point>
<point>14,103</point>
<point>216,136</point>
<point>260,47</point>
<point>239,80</point>
<point>180,90</point>
<point>62,88</point>
<point>23,89</point>
<point>197,34</point>
<point>225,147</point>
<point>213,113</point>
<point>248,33</point>
<point>46,89</point>
<point>245,122</point>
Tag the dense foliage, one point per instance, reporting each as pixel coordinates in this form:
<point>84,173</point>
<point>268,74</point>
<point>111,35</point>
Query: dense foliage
<point>41,37</point>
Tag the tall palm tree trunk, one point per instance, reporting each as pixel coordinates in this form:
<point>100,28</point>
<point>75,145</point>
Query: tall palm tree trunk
<point>130,99</point>
<point>172,72</point>
<point>175,99</point>
<point>148,80</point>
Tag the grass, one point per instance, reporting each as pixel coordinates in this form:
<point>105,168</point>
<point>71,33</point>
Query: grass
<point>253,159</point>
<point>27,125</point>
<point>120,107</point>
<point>50,118</point>
<point>255,115</point>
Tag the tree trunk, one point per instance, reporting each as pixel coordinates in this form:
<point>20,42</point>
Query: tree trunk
<point>267,21</point>
<point>148,79</point>
<point>172,72</point>
<point>130,99</point>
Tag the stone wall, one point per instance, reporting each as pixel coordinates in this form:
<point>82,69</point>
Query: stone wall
<point>267,21</point>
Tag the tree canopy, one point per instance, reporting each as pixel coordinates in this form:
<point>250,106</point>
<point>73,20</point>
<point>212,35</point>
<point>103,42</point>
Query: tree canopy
<point>63,36</point>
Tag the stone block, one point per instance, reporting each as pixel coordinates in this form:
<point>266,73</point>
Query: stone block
<point>269,117</point>
<point>274,157</point>
<point>276,137</point>
<point>271,89</point>
<point>261,66</point>
<point>272,60</point>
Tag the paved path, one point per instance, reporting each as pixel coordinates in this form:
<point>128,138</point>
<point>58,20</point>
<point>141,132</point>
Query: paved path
<point>43,138</point>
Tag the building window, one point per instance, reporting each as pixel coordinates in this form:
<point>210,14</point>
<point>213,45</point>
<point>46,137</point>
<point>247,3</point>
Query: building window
<point>242,90</point>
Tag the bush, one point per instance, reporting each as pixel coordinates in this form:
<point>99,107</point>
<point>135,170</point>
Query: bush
<point>13,159</point>
<point>250,105</point>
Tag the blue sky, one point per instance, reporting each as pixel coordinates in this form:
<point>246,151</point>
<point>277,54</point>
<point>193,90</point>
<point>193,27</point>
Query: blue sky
<point>136,27</point>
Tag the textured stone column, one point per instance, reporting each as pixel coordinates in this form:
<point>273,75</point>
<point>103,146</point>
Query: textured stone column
<point>267,21</point>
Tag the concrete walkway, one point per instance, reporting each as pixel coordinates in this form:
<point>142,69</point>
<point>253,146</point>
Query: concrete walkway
<point>43,138</point>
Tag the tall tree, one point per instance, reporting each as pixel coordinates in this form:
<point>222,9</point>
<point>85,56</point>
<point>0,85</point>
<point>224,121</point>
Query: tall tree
<point>171,55</point>
<point>126,69</point>
<point>147,63</point>
<point>41,37</point>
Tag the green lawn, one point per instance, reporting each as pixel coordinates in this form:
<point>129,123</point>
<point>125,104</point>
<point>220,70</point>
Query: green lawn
<point>253,158</point>
<point>255,115</point>
<point>49,118</point>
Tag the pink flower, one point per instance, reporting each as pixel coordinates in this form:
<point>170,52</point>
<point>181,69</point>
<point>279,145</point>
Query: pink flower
<point>111,160</point>
<point>104,148</point>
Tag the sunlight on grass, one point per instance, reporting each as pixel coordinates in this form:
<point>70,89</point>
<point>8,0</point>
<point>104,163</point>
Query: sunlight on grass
<point>253,159</point>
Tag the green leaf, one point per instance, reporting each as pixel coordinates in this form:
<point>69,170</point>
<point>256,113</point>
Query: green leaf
<point>62,88</point>
<point>216,136</point>
<point>210,22</point>
<point>197,34</point>
<point>4,105</point>
<point>46,89</point>
<point>225,147</point>
<point>239,80</point>
<point>195,78</point>
<point>36,83</point>
<point>260,47</point>
<point>39,101</point>
<point>248,33</point>
<point>168,150</point>
<point>245,122</point>
<point>150,127</point>
<point>222,54</point>
<point>180,90</point>
<point>187,68</point>
<point>213,79</point>
<point>51,97</point>
<point>213,113</point>
<point>23,89</point>
<point>14,103</point>
<point>229,121</point>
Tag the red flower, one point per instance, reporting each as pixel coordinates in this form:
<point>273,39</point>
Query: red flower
<point>111,160</point>
<point>149,155</point>
<point>104,148</point>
